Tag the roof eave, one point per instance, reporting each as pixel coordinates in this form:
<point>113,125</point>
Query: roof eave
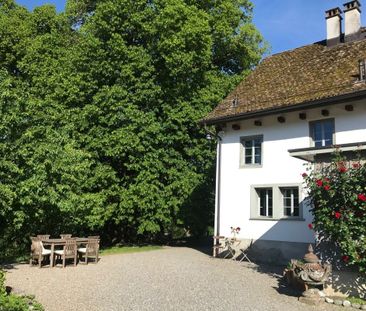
<point>344,98</point>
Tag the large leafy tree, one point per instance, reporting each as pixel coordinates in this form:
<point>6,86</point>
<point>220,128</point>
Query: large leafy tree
<point>100,109</point>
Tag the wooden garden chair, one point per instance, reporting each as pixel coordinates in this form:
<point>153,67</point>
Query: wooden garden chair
<point>94,237</point>
<point>91,250</point>
<point>38,252</point>
<point>68,252</point>
<point>65,236</point>
<point>43,236</point>
<point>218,245</point>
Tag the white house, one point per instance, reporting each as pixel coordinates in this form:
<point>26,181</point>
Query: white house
<point>290,111</point>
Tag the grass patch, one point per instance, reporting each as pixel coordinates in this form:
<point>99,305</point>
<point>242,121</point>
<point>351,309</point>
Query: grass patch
<point>351,299</point>
<point>360,301</point>
<point>128,249</point>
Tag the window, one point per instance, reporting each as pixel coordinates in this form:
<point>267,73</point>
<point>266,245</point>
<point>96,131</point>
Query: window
<point>277,201</point>
<point>290,199</point>
<point>265,202</point>
<point>252,150</point>
<point>322,132</point>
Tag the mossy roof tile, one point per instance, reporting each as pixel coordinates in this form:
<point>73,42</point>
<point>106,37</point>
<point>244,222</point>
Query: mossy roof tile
<point>303,75</point>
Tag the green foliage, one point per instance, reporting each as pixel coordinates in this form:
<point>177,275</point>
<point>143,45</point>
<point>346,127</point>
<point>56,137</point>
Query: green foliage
<point>2,282</point>
<point>19,303</point>
<point>338,194</point>
<point>99,114</point>
<point>356,300</point>
<point>13,302</point>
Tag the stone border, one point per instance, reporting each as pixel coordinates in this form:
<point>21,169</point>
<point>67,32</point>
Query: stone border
<point>344,303</point>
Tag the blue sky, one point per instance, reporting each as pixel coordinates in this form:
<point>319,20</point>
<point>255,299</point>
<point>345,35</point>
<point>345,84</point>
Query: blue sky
<point>285,24</point>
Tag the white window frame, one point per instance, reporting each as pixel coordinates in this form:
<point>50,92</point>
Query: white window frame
<point>268,198</point>
<point>292,197</point>
<point>278,208</point>
<point>253,155</point>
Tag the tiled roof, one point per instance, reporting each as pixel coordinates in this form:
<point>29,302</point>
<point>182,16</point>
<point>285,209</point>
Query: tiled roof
<point>303,75</point>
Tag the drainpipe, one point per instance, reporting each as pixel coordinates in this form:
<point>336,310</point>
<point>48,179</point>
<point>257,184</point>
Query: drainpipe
<point>218,187</point>
<point>210,135</point>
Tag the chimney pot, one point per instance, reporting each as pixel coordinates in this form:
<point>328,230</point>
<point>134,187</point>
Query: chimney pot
<point>352,17</point>
<point>334,26</point>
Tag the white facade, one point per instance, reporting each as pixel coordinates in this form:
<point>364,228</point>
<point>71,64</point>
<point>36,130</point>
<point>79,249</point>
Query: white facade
<point>278,168</point>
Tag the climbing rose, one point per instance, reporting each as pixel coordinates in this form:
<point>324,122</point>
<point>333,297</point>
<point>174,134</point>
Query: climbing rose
<point>310,226</point>
<point>304,175</point>
<point>345,258</point>
<point>238,229</point>
<point>340,213</point>
<point>326,187</point>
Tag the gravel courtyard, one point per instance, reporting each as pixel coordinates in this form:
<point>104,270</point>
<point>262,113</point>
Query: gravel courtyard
<point>167,279</point>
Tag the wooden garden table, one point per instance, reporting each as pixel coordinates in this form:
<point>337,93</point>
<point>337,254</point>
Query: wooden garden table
<point>60,242</point>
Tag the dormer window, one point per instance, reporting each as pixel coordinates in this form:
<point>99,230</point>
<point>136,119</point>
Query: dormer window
<point>362,70</point>
<point>235,102</point>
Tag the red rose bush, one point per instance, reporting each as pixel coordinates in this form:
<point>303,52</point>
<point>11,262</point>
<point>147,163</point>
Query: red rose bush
<point>338,197</point>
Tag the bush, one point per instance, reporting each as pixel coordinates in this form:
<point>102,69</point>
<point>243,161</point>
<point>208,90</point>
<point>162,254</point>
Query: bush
<point>13,302</point>
<point>2,283</point>
<point>338,196</point>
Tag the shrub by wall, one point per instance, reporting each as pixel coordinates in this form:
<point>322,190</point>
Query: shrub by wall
<point>338,195</point>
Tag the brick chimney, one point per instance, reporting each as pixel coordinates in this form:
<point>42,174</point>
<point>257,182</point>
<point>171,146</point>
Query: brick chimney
<point>334,26</point>
<point>352,17</point>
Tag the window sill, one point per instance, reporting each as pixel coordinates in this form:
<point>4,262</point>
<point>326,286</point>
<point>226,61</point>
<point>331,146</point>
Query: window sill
<point>277,219</point>
<point>246,166</point>
<point>308,154</point>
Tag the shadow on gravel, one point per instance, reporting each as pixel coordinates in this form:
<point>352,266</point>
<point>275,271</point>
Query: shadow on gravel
<point>203,245</point>
<point>8,266</point>
<point>276,272</point>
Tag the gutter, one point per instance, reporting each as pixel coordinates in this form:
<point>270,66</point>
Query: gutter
<point>305,105</point>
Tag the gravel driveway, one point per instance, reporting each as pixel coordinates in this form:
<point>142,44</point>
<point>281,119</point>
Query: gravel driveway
<point>169,279</point>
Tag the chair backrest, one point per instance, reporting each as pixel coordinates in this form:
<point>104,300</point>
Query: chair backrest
<point>92,246</point>
<point>65,236</point>
<point>70,247</point>
<point>43,236</point>
<point>94,237</point>
<point>36,246</point>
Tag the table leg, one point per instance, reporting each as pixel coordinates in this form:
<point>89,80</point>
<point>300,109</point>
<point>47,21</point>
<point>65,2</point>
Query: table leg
<point>52,254</point>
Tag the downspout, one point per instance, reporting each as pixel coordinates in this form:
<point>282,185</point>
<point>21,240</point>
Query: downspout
<point>218,187</point>
<point>210,135</point>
